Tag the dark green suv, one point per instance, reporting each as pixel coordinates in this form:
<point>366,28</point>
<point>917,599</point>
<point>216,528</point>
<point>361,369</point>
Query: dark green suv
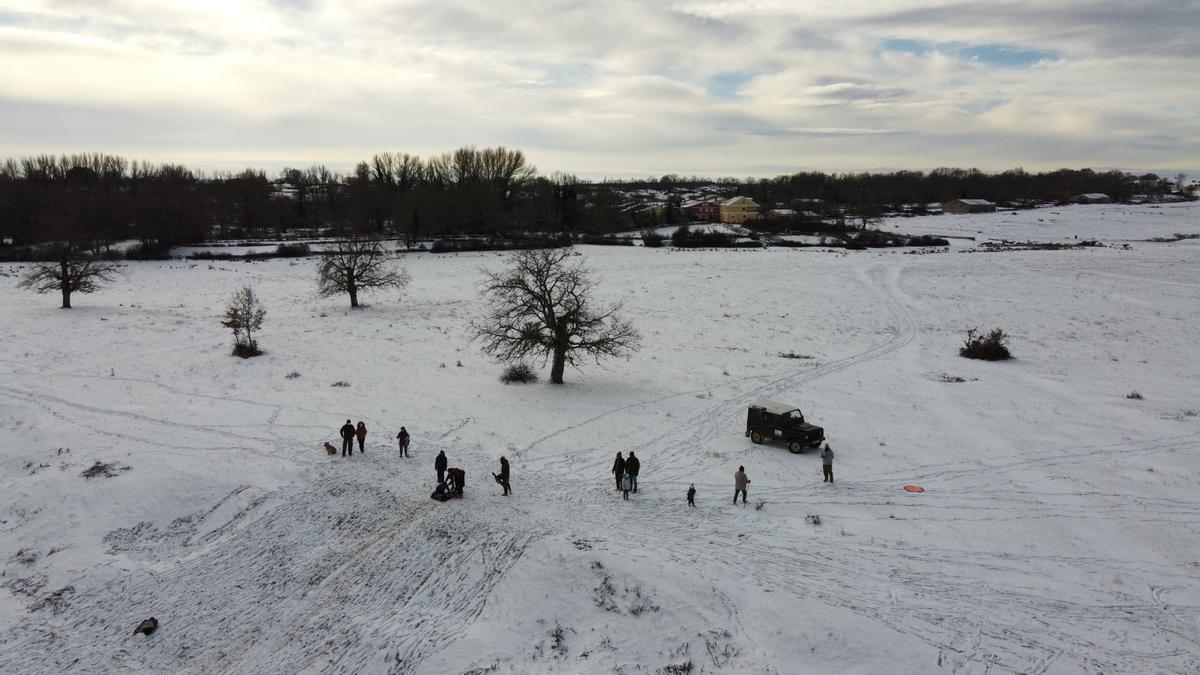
<point>766,420</point>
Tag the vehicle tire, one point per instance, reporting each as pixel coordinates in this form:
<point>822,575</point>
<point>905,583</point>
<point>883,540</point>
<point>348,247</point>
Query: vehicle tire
<point>796,447</point>
<point>756,437</point>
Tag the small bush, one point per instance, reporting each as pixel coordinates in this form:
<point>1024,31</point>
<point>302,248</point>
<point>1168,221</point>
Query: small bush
<point>103,470</point>
<point>292,251</point>
<point>292,375</point>
<point>652,239</point>
<point>246,350</point>
<point>340,383</point>
<point>1135,395</point>
<point>793,355</point>
<point>988,347</point>
<point>518,372</point>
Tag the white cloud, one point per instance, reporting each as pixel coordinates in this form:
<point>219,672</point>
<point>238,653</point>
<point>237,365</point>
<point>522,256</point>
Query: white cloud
<point>625,87</point>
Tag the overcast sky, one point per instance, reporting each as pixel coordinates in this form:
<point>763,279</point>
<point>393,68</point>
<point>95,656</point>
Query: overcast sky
<point>618,88</point>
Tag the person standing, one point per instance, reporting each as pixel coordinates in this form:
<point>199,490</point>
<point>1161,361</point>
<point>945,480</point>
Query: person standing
<point>504,476</point>
<point>361,432</point>
<point>618,469</point>
<point>402,438</point>
<point>827,463</point>
<point>632,466</point>
<point>626,483</point>
<point>439,464</point>
<point>692,494</point>
<point>740,483</point>
<point>347,438</point>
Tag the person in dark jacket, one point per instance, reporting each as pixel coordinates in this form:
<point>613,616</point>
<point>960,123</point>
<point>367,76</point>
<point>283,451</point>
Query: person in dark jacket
<point>632,466</point>
<point>347,438</point>
<point>440,465</point>
<point>361,433</point>
<point>503,477</point>
<point>692,494</point>
<point>619,469</point>
<point>402,438</point>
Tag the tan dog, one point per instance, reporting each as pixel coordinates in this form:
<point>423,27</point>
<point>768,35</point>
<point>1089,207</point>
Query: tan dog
<point>329,449</point>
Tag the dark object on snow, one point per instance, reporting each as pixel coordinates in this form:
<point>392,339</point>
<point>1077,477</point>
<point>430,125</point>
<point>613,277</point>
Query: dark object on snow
<point>439,465</point>
<point>771,419</point>
<point>502,479</point>
<point>146,627</point>
<point>456,479</point>
<point>619,469</point>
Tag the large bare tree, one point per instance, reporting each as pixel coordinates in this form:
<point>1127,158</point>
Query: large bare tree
<point>359,263</point>
<point>75,269</point>
<point>542,306</point>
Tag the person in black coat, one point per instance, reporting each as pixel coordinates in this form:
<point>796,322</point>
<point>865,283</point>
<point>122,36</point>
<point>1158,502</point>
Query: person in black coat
<point>503,477</point>
<point>347,438</point>
<point>692,494</point>
<point>632,466</point>
<point>619,469</point>
<point>440,465</point>
<point>403,438</point>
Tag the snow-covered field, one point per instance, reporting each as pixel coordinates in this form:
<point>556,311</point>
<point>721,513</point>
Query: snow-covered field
<point>1059,530</point>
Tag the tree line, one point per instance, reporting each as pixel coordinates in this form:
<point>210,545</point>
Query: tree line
<point>92,199</point>
<point>105,198</point>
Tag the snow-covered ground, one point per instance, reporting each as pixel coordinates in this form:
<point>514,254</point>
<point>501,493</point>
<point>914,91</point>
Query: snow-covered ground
<point>1058,530</point>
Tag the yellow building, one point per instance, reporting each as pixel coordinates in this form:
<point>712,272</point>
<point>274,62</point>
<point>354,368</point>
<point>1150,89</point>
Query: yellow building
<point>738,210</point>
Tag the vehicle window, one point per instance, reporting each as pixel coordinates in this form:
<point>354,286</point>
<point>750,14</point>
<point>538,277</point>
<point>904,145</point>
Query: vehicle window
<point>794,416</point>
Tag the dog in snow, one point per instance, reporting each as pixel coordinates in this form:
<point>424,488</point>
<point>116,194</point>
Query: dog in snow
<point>329,449</point>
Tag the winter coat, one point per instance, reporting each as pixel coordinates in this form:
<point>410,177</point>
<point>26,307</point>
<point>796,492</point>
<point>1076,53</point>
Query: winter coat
<point>632,465</point>
<point>740,481</point>
<point>402,436</point>
<point>626,483</point>
<point>504,469</point>
<point>691,493</point>
<point>440,463</point>
<point>361,432</point>
<point>827,456</point>
<point>347,430</point>
<point>619,466</point>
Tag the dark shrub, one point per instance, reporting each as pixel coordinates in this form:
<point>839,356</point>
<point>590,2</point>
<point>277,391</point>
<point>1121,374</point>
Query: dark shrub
<point>246,350</point>
<point>988,347</point>
<point>604,240</point>
<point>652,239</point>
<point>292,251</point>
<point>518,372</point>
<point>158,251</point>
<point>681,236</point>
<point>927,240</point>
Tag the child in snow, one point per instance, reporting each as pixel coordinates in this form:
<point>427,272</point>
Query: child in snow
<point>692,494</point>
<point>402,438</point>
<point>626,484</point>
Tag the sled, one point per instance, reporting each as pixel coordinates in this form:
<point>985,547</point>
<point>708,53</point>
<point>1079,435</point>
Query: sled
<point>913,488</point>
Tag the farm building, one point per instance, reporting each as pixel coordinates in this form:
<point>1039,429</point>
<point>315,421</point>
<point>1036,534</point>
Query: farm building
<point>702,211</point>
<point>739,210</point>
<point>1092,198</point>
<point>968,206</point>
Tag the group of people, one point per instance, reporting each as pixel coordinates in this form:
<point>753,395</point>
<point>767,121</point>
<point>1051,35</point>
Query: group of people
<point>625,469</point>
<point>450,480</point>
<point>351,432</point>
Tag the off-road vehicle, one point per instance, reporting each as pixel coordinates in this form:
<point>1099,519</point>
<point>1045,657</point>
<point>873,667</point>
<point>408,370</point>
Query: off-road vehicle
<point>774,420</point>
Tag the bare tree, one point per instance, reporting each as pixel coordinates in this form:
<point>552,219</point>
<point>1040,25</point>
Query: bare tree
<point>358,263</point>
<point>74,270</point>
<point>244,315</point>
<point>542,306</point>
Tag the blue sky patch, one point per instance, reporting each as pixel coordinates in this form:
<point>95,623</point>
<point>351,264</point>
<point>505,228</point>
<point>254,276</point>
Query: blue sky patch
<point>1003,56</point>
<point>725,85</point>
